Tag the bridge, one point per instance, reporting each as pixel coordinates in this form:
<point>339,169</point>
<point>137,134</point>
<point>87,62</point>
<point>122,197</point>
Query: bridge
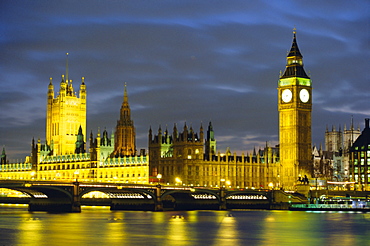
<point>68,196</point>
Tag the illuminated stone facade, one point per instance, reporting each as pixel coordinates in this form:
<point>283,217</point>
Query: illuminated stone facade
<point>295,105</point>
<point>94,166</point>
<point>64,157</point>
<point>124,143</point>
<point>337,150</point>
<point>181,159</point>
<point>65,114</point>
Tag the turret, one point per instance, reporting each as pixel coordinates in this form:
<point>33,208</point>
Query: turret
<point>201,133</point>
<point>70,90</point>
<point>150,135</point>
<point>185,133</point>
<point>83,89</point>
<point>3,157</point>
<point>160,135</point>
<point>50,90</point>
<point>80,144</point>
<point>210,143</point>
<point>175,133</point>
<point>63,89</point>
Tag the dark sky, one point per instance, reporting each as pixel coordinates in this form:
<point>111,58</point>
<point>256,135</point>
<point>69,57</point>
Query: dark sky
<point>183,61</point>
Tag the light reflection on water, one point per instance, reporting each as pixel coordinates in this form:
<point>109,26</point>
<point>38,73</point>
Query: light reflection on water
<point>97,226</point>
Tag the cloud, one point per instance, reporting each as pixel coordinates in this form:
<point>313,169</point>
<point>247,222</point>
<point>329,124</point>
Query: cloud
<point>197,61</point>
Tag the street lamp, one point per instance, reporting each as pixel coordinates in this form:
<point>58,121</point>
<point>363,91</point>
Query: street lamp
<point>178,181</point>
<point>159,176</point>
<point>77,172</point>
<point>33,174</point>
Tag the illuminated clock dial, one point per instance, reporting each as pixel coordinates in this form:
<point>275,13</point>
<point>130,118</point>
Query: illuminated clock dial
<point>287,95</point>
<point>304,95</point>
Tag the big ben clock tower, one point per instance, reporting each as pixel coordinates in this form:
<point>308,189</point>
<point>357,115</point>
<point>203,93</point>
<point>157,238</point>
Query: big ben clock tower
<point>295,106</point>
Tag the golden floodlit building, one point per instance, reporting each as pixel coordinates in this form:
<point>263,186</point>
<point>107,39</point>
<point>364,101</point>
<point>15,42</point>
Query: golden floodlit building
<point>182,157</point>
<point>64,156</point>
<point>295,106</point>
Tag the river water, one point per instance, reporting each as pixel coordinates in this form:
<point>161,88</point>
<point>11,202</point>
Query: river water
<point>100,226</point>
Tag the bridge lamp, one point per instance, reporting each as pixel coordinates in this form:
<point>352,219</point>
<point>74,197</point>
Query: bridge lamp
<point>159,176</point>
<point>271,185</point>
<point>228,182</point>
<point>76,173</point>
<point>178,181</point>
<point>33,174</point>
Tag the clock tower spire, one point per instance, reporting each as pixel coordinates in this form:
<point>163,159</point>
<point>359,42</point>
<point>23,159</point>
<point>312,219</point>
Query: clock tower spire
<point>295,106</point>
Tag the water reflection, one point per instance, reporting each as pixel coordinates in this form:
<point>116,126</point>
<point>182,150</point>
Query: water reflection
<point>177,232</point>
<point>96,226</point>
<point>228,233</point>
<point>30,230</point>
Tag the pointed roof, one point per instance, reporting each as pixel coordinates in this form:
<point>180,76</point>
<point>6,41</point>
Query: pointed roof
<point>125,97</point>
<point>80,130</point>
<point>294,51</point>
<point>364,139</point>
<point>294,67</point>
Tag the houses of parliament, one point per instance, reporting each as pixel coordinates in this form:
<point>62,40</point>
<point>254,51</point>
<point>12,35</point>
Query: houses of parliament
<point>185,156</point>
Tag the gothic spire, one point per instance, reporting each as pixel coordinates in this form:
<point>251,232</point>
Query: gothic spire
<point>125,97</point>
<point>294,67</point>
<point>294,51</point>
<point>67,77</point>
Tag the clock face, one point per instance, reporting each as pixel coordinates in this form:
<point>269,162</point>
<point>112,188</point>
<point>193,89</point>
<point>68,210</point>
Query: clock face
<point>304,95</point>
<point>286,96</point>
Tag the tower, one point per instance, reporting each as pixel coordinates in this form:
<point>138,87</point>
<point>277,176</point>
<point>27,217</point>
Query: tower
<point>210,143</point>
<point>65,114</point>
<point>80,143</point>
<point>3,157</point>
<point>125,131</point>
<point>295,106</point>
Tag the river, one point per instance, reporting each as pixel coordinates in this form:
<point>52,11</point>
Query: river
<point>100,226</point>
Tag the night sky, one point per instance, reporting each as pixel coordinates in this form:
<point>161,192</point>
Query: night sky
<point>183,61</point>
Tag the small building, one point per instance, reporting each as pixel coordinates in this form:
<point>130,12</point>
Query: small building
<point>359,161</point>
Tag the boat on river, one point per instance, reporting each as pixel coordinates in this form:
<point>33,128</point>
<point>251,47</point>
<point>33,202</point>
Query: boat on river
<point>328,207</point>
<point>335,204</point>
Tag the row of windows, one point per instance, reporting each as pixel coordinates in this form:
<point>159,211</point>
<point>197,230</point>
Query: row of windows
<point>213,171</point>
<point>362,178</point>
<point>63,167</point>
<point>18,166</point>
<point>362,162</point>
<point>362,147</point>
<point>362,169</point>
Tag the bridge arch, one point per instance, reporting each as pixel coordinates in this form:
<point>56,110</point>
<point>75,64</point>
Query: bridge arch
<point>190,199</point>
<point>111,192</point>
<point>247,199</point>
<point>125,198</point>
